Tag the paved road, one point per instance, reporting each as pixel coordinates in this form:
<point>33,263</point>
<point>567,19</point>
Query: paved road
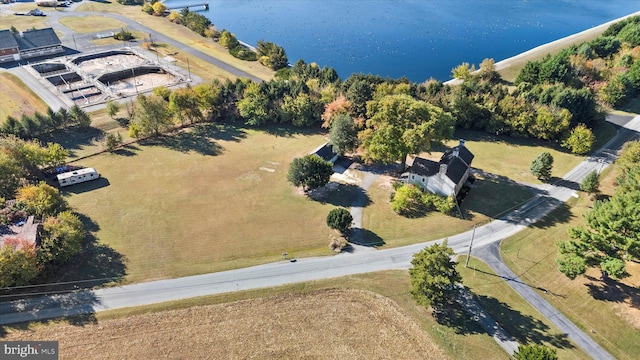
<point>491,255</point>
<point>308,269</point>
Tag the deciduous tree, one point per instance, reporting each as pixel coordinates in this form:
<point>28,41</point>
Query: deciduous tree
<point>184,103</point>
<point>580,140</point>
<point>254,105</point>
<point>310,172</point>
<point>112,108</point>
<point>434,276</point>
<point>227,39</point>
<point>400,125</point>
<point>18,264</point>
<point>41,200</point>
<point>151,116</point>
<point>61,239</point>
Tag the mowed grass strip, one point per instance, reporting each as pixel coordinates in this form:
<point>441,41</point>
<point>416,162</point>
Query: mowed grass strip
<point>123,328</point>
<point>17,98</point>
<point>608,312</point>
<point>516,316</point>
<point>91,23</point>
<point>198,203</point>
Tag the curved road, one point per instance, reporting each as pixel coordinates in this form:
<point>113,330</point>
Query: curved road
<point>307,269</point>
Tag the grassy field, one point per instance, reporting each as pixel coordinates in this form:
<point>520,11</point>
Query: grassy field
<point>185,36</point>
<point>364,313</point>
<point>607,311</point>
<point>17,98</point>
<point>513,312</point>
<point>22,23</point>
<point>213,199</point>
<point>91,23</point>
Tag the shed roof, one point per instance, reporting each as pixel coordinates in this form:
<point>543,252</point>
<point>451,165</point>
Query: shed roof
<point>7,41</point>
<point>36,39</point>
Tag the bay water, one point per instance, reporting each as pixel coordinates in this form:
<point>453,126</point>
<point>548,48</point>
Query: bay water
<point>418,39</point>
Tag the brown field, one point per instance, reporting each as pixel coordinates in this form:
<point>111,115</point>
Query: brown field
<point>328,324</point>
<point>17,98</point>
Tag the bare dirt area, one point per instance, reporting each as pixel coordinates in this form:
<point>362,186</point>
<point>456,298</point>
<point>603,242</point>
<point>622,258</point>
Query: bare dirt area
<point>326,324</point>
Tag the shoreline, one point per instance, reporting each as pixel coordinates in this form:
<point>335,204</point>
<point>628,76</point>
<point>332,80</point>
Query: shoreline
<point>550,47</point>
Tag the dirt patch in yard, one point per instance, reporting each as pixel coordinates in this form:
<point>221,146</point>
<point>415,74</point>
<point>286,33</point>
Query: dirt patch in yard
<point>327,324</point>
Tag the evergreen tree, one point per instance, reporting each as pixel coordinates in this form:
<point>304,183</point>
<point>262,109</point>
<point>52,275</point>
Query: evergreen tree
<point>542,165</point>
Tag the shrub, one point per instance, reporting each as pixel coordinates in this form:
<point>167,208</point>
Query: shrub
<point>123,35</point>
<point>243,53</point>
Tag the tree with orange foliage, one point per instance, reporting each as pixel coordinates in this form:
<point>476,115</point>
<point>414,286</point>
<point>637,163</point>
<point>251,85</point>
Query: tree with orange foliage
<point>338,106</point>
<point>18,263</point>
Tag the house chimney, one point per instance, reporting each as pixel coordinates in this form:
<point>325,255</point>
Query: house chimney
<point>443,169</point>
<point>456,151</point>
<point>461,142</point>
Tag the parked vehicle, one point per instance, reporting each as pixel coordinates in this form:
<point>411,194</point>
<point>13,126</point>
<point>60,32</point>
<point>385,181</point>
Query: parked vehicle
<point>77,176</point>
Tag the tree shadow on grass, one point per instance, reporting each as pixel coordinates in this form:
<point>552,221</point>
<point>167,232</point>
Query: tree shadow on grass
<point>457,318</point>
<point>560,215</point>
<point>284,130</point>
<point>200,138</point>
<point>481,197</point>
<point>613,291</point>
<point>364,237</point>
<point>126,150</point>
<point>186,141</point>
<point>525,328</point>
<point>73,139</point>
<point>339,194</point>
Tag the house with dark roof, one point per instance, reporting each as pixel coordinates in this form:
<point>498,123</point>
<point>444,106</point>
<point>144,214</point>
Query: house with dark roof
<point>445,177</point>
<point>9,50</point>
<point>29,44</point>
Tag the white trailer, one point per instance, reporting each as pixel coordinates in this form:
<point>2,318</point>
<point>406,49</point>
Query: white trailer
<point>77,176</point>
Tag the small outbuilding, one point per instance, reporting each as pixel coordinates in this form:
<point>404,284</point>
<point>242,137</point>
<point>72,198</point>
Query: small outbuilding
<point>445,177</point>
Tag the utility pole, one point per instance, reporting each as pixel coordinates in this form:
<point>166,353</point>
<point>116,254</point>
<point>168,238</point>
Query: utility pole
<point>473,234</point>
<point>188,69</point>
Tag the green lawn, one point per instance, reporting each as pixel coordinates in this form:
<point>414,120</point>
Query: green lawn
<point>513,312</point>
<point>608,313</point>
<point>200,202</point>
<point>91,23</point>
<point>511,157</point>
